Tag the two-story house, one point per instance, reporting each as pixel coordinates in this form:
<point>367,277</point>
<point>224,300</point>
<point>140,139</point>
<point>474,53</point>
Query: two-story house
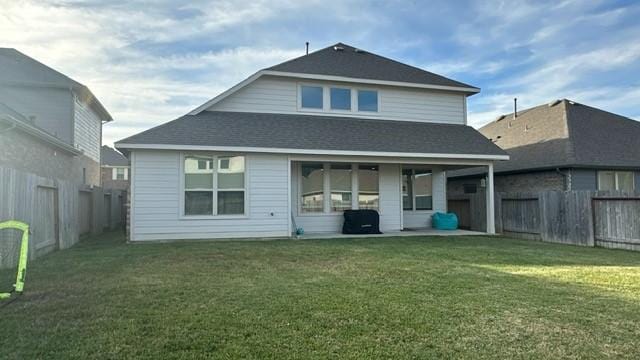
<point>115,169</point>
<point>299,143</point>
<point>50,125</point>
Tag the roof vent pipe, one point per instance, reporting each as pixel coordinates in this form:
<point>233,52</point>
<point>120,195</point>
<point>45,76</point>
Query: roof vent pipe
<point>515,108</point>
<point>307,47</point>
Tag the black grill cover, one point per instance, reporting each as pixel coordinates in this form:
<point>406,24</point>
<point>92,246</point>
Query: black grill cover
<point>361,222</point>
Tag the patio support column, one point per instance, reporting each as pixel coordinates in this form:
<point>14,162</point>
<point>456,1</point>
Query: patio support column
<point>491,223</point>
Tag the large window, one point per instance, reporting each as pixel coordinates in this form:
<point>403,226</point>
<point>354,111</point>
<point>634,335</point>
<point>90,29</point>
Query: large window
<point>368,193</point>
<point>312,188</point>
<point>331,187</point>
<point>615,181</point>
<point>340,184</point>
<point>340,99</point>
<point>417,189</point>
<point>367,100</point>
<point>311,97</point>
<point>210,180</point>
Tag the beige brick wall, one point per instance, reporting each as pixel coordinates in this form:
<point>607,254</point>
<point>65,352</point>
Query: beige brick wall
<point>534,181</point>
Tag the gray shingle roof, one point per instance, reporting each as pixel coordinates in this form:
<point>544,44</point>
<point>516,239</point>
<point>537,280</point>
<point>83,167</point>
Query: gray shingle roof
<point>363,65</point>
<point>23,69</point>
<point>311,132</point>
<point>111,157</point>
<point>567,134</point>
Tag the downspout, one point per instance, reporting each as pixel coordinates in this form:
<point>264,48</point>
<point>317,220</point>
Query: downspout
<point>567,179</point>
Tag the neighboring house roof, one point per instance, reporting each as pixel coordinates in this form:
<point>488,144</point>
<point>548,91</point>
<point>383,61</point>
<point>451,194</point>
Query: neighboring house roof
<point>563,134</point>
<point>345,60</point>
<point>112,157</point>
<point>16,120</point>
<point>22,70</point>
<point>314,134</point>
<point>353,65</point>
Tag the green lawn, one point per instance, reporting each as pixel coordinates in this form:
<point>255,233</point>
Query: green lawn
<point>420,297</point>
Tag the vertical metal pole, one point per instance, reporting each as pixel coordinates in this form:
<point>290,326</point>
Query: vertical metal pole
<point>491,220</point>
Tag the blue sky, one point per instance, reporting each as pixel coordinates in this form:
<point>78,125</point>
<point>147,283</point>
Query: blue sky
<point>149,62</point>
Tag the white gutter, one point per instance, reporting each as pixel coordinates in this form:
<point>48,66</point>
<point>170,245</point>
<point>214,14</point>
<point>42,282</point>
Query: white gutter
<point>309,151</point>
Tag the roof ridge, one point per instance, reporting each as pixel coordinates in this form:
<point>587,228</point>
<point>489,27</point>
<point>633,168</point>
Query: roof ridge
<point>49,68</point>
<point>359,63</point>
<point>300,57</point>
<point>571,147</point>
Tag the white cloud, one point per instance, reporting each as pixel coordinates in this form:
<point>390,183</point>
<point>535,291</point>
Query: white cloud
<point>149,64</point>
<point>97,47</point>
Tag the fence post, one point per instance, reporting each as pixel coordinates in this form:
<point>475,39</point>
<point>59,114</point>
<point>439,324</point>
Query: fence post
<point>97,208</point>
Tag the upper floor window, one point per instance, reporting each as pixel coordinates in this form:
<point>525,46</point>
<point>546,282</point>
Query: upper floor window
<point>311,97</point>
<point>343,99</point>
<point>120,173</point>
<point>367,100</point>
<point>615,181</point>
<point>340,99</point>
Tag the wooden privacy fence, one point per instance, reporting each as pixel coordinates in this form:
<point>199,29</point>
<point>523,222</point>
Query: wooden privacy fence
<point>58,212</point>
<point>471,210</point>
<point>616,221</point>
<point>584,218</point>
<point>587,218</point>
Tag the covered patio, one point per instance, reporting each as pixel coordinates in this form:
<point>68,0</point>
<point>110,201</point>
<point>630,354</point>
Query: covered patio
<point>405,191</point>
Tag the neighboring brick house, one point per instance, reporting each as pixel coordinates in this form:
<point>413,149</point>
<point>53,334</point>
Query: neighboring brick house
<point>50,125</point>
<point>115,169</point>
<point>562,145</point>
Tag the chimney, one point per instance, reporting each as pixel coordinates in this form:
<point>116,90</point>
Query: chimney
<point>307,46</point>
<point>515,108</point>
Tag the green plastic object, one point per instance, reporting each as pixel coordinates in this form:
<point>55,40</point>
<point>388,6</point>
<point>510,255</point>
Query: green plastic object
<point>18,287</point>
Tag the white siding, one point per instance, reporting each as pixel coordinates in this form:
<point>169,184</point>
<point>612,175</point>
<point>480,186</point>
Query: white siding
<point>156,200</point>
<point>87,130</point>
<point>266,94</point>
<point>390,205</point>
<point>422,218</point>
<point>280,95</point>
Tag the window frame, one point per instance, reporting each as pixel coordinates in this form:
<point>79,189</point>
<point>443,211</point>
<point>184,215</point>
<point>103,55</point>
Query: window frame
<point>327,208</point>
<point>328,166</point>
<point>215,157</point>
<point>124,173</point>
<point>616,179</point>
<point>377,111</point>
<point>413,189</point>
<point>351,101</point>
<point>324,189</point>
<point>326,99</point>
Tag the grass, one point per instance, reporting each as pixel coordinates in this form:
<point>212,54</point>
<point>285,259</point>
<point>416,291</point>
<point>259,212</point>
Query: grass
<point>418,297</point>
